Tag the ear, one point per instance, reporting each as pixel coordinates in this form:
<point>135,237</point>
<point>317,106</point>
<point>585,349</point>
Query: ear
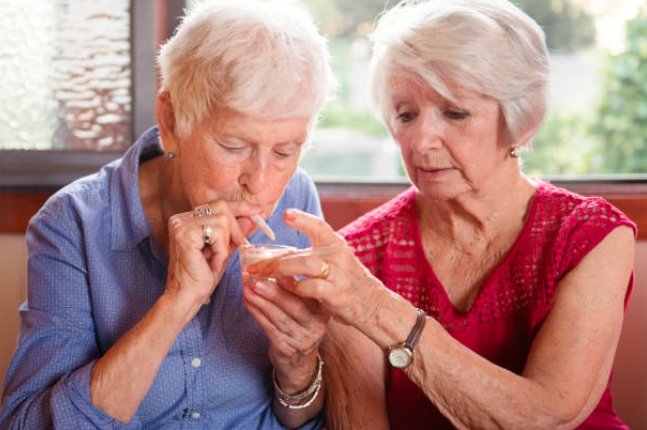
<point>508,142</point>
<point>166,120</point>
<point>526,136</point>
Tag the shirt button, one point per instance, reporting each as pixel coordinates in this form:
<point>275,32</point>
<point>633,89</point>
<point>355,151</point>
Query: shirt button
<point>196,362</point>
<point>195,415</point>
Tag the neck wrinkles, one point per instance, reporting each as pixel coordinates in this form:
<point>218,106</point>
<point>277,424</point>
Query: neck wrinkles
<point>471,220</point>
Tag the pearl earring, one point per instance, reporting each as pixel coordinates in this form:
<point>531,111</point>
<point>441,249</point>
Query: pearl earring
<point>170,155</point>
<point>515,152</point>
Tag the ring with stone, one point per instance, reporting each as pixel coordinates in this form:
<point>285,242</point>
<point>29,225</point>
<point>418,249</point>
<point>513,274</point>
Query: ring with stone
<point>202,210</point>
<point>206,234</point>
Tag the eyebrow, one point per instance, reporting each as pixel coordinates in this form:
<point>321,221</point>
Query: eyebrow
<point>298,140</point>
<point>226,137</point>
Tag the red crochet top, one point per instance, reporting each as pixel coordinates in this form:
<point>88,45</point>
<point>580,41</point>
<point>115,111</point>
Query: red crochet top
<point>561,228</point>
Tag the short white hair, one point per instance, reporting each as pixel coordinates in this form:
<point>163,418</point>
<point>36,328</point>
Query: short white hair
<point>262,58</point>
<point>487,46</point>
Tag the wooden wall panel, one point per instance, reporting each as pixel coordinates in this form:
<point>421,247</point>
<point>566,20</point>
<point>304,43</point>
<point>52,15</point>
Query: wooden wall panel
<point>341,203</point>
<point>17,206</point>
<point>341,209</point>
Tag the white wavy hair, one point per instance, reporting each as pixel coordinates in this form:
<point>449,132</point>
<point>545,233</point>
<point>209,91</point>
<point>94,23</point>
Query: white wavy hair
<point>488,46</point>
<point>262,58</point>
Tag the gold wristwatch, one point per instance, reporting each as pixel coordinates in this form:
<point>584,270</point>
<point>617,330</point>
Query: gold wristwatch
<point>401,354</point>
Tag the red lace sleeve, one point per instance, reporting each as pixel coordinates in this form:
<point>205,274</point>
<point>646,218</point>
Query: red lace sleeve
<point>589,222</point>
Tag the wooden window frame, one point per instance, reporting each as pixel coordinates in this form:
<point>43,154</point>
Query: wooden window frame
<point>28,178</point>
<point>150,24</point>
<point>342,202</point>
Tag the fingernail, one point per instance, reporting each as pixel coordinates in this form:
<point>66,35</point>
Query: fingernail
<point>263,287</point>
<point>289,215</point>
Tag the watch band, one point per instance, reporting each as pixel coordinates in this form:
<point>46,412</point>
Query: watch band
<point>416,331</point>
<point>400,355</point>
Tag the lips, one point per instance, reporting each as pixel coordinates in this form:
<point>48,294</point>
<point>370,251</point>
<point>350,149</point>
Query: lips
<point>433,173</point>
<point>433,169</point>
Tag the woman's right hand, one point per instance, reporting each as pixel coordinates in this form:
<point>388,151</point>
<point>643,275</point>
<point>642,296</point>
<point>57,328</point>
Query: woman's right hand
<point>196,267</point>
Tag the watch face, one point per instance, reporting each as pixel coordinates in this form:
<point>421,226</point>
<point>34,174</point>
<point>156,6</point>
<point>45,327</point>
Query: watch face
<point>400,357</point>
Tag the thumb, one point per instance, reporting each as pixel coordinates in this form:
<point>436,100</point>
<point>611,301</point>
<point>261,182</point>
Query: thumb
<point>317,230</point>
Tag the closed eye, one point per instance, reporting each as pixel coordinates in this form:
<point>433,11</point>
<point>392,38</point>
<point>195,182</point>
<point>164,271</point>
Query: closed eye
<point>457,115</point>
<point>281,154</point>
<point>287,150</point>
<point>231,146</point>
<point>405,117</point>
<point>234,149</point>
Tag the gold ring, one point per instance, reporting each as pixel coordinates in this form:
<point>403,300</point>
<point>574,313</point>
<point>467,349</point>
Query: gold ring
<point>206,234</point>
<point>201,210</point>
<point>325,270</point>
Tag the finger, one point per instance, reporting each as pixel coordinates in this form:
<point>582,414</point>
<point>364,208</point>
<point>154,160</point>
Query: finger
<point>298,265</point>
<point>284,281</point>
<point>281,327</point>
<point>225,213</point>
<point>215,246</point>
<point>317,230</point>
<point>185,233</point>
<point>217,254</point>
<point>283,305</point>
<point>239,232</point>
<point>242,208</point>
<point>316,289</point>
<point>282,343</point>
<point>243,211</point>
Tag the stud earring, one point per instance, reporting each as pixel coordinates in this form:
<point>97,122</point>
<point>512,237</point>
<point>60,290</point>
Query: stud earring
<point>170,155</point>
<point>515,152</point>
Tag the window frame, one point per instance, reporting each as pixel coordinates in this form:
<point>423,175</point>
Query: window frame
<point>342,202</point>
<point>28,178</point>
<point>151,22</point>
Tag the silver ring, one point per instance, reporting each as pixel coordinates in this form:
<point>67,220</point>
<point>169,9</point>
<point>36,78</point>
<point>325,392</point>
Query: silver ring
<point>206,234</point>
<point>201,210</point>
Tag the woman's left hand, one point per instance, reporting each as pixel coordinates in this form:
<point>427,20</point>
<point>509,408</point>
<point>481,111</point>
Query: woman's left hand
<point>294,326</point>
<point>329,274</point>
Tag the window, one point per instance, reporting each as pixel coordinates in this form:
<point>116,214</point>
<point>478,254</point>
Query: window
<point>79,84</point>
<point>599,93</point>
<point>66,75</point>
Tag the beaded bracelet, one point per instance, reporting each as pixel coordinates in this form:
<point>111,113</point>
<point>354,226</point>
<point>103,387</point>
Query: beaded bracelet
<point>304,398</point>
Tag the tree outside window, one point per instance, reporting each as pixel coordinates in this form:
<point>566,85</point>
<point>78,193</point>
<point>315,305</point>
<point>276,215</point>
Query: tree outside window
<point>66,67</point>
<point>595,125</point>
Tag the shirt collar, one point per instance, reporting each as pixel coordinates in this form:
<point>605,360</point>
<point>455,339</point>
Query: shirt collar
<point>129,223</point>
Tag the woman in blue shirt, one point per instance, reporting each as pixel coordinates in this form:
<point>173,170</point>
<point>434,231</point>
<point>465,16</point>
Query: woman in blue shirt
<point>135,315</point>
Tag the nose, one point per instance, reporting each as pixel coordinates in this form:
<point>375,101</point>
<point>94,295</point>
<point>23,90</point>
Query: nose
<point>428,133</point>
<point>255,172</point>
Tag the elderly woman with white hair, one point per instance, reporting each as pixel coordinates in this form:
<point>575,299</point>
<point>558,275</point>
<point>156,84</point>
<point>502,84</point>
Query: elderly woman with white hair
<point>480,297</point>
<point>135,316</point>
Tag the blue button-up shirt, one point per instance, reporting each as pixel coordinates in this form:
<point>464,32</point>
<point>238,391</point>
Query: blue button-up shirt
<point>93,274</point>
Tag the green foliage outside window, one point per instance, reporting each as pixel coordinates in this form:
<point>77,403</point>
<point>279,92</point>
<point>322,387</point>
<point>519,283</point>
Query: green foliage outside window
<point>622,120</point>
<point>612,138</point>
<point>567,27</point>
<point>562,146</point>
<point>341,115</point>
<point>608,135</point>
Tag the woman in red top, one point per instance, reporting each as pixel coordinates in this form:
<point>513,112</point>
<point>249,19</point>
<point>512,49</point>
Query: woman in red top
<point>523,284</point>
